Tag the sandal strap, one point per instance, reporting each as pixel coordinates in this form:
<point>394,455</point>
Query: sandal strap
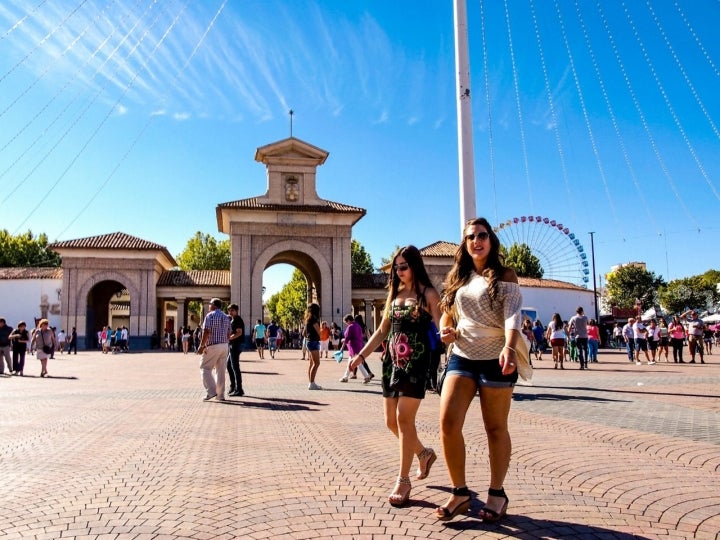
<point>425,452</point>
<point>461,491</point>
<point>497,493</point>
<point>404,480</point>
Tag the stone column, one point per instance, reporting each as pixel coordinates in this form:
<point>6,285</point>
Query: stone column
<point>369,316</point>
<point>181,311</point>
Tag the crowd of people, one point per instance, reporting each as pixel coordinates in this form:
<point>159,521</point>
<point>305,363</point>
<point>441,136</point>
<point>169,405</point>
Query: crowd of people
<point>578,339</point>
<point>42,341</point>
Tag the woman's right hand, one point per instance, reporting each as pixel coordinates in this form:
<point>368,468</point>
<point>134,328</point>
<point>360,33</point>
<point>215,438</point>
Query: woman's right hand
<point>448,335</point>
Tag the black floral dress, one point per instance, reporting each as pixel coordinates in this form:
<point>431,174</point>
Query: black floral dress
<point>406,360</point>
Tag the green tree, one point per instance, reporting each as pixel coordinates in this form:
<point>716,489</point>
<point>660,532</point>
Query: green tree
<point>630,283</point>
<point>361,263</point>
<point>203,252</point>
<point>521,259</point>
<point>26,250</point>
<point>695,292</point>
<point>287,307</point>
<point>387,260</point>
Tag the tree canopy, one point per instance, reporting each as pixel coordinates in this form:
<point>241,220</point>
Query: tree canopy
<point>26,250</point>
<point>696,292</point>
<point>287,307</point>
<point>628,284</point>
<point>361,263</point>
<point>521,259</point>
<point>204,252</point>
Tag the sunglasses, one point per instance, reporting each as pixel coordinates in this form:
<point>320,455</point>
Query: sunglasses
<point>401,267</point>
<point>480,236</point>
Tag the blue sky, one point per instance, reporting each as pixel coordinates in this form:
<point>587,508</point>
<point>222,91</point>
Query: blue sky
<point>142,116</point>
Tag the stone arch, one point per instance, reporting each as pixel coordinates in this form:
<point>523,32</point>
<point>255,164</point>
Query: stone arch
<point>296,253</point>
<point>90,318</point>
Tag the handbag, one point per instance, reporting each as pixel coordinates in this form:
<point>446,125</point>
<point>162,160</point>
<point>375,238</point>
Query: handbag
<point>398,379</point>
<point>47,349</point>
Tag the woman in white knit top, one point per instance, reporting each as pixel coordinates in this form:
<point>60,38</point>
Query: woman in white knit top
<point>481,318</point>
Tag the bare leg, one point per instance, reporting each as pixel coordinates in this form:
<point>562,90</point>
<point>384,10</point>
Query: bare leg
<point>314,364</point>
<point>495,405</point>
<point>458,393</point>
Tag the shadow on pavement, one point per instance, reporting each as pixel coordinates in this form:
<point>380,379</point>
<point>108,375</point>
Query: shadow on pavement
<point>627,391</point>
<point>276,404</point>
<point>562,397</point>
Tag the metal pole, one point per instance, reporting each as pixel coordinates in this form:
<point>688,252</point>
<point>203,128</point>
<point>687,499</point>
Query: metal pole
<point>464,114</point>
<point>592,255</point>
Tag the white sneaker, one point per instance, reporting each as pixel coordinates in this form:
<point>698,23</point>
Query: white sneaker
<point>651,363</point>
<point>344,379</point>
<point>638,363</point>
<point>313,386</point>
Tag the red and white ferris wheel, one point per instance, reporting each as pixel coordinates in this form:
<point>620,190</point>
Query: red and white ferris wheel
<point>560,252</point>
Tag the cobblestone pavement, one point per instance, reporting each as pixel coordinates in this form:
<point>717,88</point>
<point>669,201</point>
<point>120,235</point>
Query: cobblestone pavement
<point>122,446</point>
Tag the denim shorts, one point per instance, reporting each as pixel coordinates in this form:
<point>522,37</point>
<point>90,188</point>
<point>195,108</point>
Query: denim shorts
<point>483,372</point>
<point>313,345</point>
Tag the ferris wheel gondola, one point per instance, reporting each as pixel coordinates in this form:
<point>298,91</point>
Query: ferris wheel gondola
<point>559,251</point>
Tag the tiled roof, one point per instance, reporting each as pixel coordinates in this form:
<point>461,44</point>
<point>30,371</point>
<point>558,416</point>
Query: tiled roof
<point>195,278</point>
<point>44,272</point>
<point>116,240</point>
<point>369,281</point>
<point>255,203</point>
<point>548,284</point>
<point>441,248</point>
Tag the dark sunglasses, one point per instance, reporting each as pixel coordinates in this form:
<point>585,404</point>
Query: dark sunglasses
<point>401,267</point>
<point>480,236</point>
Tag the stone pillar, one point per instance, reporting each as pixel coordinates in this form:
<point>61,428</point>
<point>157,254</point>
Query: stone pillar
<point>181,312</point>
<point>369,316</point>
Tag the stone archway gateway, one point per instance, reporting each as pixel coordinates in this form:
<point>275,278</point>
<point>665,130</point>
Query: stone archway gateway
<point>290,224</point>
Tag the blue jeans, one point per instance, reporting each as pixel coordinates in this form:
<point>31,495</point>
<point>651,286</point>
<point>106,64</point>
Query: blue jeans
<point>582,347</point>
<point>630,346</point>
<point>593,348</point>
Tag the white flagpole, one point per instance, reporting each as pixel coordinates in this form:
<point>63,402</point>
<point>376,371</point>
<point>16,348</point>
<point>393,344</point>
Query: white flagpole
<point>464,114</point>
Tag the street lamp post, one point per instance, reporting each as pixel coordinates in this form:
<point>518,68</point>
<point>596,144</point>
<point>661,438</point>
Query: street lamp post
<point>592,256</point>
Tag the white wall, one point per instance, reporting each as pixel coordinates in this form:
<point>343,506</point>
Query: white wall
<point>547,301</point>
<point>21,299</point>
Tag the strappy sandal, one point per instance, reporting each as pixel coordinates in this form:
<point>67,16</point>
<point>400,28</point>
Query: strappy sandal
<point>426,457</point>
<point>491,516</point>
<point>396,499</point>
<point>443,513</point>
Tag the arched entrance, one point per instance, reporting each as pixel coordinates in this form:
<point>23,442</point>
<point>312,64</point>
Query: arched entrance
<point>290,224</point>
<point>108,304</point>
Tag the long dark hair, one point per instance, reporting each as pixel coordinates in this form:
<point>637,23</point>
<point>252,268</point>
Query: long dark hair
<point>464,266</point>
<point>558,322</point>
<point>421,280</point>
<point>312,312</point>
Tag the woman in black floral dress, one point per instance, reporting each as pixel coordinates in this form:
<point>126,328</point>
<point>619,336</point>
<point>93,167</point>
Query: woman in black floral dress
<point>412,303</point>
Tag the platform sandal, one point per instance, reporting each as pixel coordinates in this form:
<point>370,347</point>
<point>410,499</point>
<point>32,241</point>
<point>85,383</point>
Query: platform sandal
<point>443,513</point>
<point>491,516</point>
<point>426,459</point>
<point>397,499</point>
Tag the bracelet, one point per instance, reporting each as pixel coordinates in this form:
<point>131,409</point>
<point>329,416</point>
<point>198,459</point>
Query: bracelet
<point>361,355</point>
<point>510,348</point>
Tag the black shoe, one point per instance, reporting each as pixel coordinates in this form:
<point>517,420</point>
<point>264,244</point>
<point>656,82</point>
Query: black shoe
<point>691,362</point>
<point>231,391</point>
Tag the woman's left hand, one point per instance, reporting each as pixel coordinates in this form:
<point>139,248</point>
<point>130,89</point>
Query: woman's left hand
<point>507,361</point>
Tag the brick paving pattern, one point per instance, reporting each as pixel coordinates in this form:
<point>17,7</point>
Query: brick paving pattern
<point>123,447</point>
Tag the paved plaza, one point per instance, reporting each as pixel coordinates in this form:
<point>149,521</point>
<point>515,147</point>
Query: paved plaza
<point>123,447</point>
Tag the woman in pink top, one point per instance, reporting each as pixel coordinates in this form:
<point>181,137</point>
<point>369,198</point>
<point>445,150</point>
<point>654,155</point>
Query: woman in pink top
<point>593,340</point>
<point>677,339</point>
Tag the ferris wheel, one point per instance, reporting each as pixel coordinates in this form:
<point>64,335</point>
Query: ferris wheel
<point>561,254</point>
